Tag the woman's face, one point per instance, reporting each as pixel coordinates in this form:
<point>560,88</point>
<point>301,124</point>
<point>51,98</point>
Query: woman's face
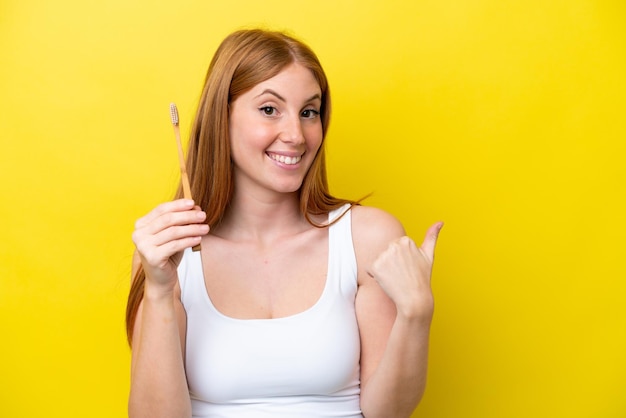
<point>276,131</point>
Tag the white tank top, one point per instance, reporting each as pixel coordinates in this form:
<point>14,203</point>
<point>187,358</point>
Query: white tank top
<point>304,365</point>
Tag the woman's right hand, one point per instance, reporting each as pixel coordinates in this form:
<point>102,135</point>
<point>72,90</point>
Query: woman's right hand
<point>162,235</point>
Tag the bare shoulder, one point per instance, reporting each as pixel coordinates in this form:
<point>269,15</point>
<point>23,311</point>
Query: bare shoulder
<point>374,228</point>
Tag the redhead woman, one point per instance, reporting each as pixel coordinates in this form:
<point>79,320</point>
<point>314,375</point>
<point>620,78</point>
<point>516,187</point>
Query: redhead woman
<point>299,304</point>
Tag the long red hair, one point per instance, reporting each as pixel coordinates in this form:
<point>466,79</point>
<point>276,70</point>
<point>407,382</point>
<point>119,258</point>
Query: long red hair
<point>244,59</point>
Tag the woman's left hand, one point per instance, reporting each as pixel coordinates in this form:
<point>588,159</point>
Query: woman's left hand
<point>403,271</point>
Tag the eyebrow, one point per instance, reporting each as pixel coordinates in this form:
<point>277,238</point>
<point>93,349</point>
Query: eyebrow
<point>281,98</point>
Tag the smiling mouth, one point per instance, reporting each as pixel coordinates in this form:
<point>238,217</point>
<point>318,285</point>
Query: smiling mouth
<point>284,159</point>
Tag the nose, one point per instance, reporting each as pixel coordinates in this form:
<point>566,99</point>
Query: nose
<point>292,131</point>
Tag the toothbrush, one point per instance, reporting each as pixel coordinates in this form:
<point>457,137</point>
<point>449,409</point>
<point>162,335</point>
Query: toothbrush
<point>181,159</point>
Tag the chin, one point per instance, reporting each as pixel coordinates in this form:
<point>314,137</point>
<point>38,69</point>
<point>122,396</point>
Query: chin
<point>288,188</point>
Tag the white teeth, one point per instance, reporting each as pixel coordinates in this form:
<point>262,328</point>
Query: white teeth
<point>285,160</point>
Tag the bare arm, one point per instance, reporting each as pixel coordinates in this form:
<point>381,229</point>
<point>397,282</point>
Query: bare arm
<point>158,381</point>
<point>394,309</point>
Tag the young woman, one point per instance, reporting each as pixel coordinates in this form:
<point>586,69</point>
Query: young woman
<point>299,304</point>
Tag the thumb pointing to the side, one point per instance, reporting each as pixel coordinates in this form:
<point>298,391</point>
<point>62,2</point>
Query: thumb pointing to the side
<point>430,240</point>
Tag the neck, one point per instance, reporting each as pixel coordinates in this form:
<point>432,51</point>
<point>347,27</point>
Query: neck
<point>265,218</point>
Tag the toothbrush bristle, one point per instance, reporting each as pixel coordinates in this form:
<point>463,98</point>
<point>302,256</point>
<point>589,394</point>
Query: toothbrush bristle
<point>174,114</point>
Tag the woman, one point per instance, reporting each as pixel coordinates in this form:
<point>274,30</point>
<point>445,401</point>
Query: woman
<point>299,304</point>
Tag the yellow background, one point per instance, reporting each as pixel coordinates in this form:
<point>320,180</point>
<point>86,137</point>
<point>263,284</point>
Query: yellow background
<point>505,119</point>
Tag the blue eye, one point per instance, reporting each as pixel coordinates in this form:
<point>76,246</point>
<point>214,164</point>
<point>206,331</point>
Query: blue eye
<point>310,113</point>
